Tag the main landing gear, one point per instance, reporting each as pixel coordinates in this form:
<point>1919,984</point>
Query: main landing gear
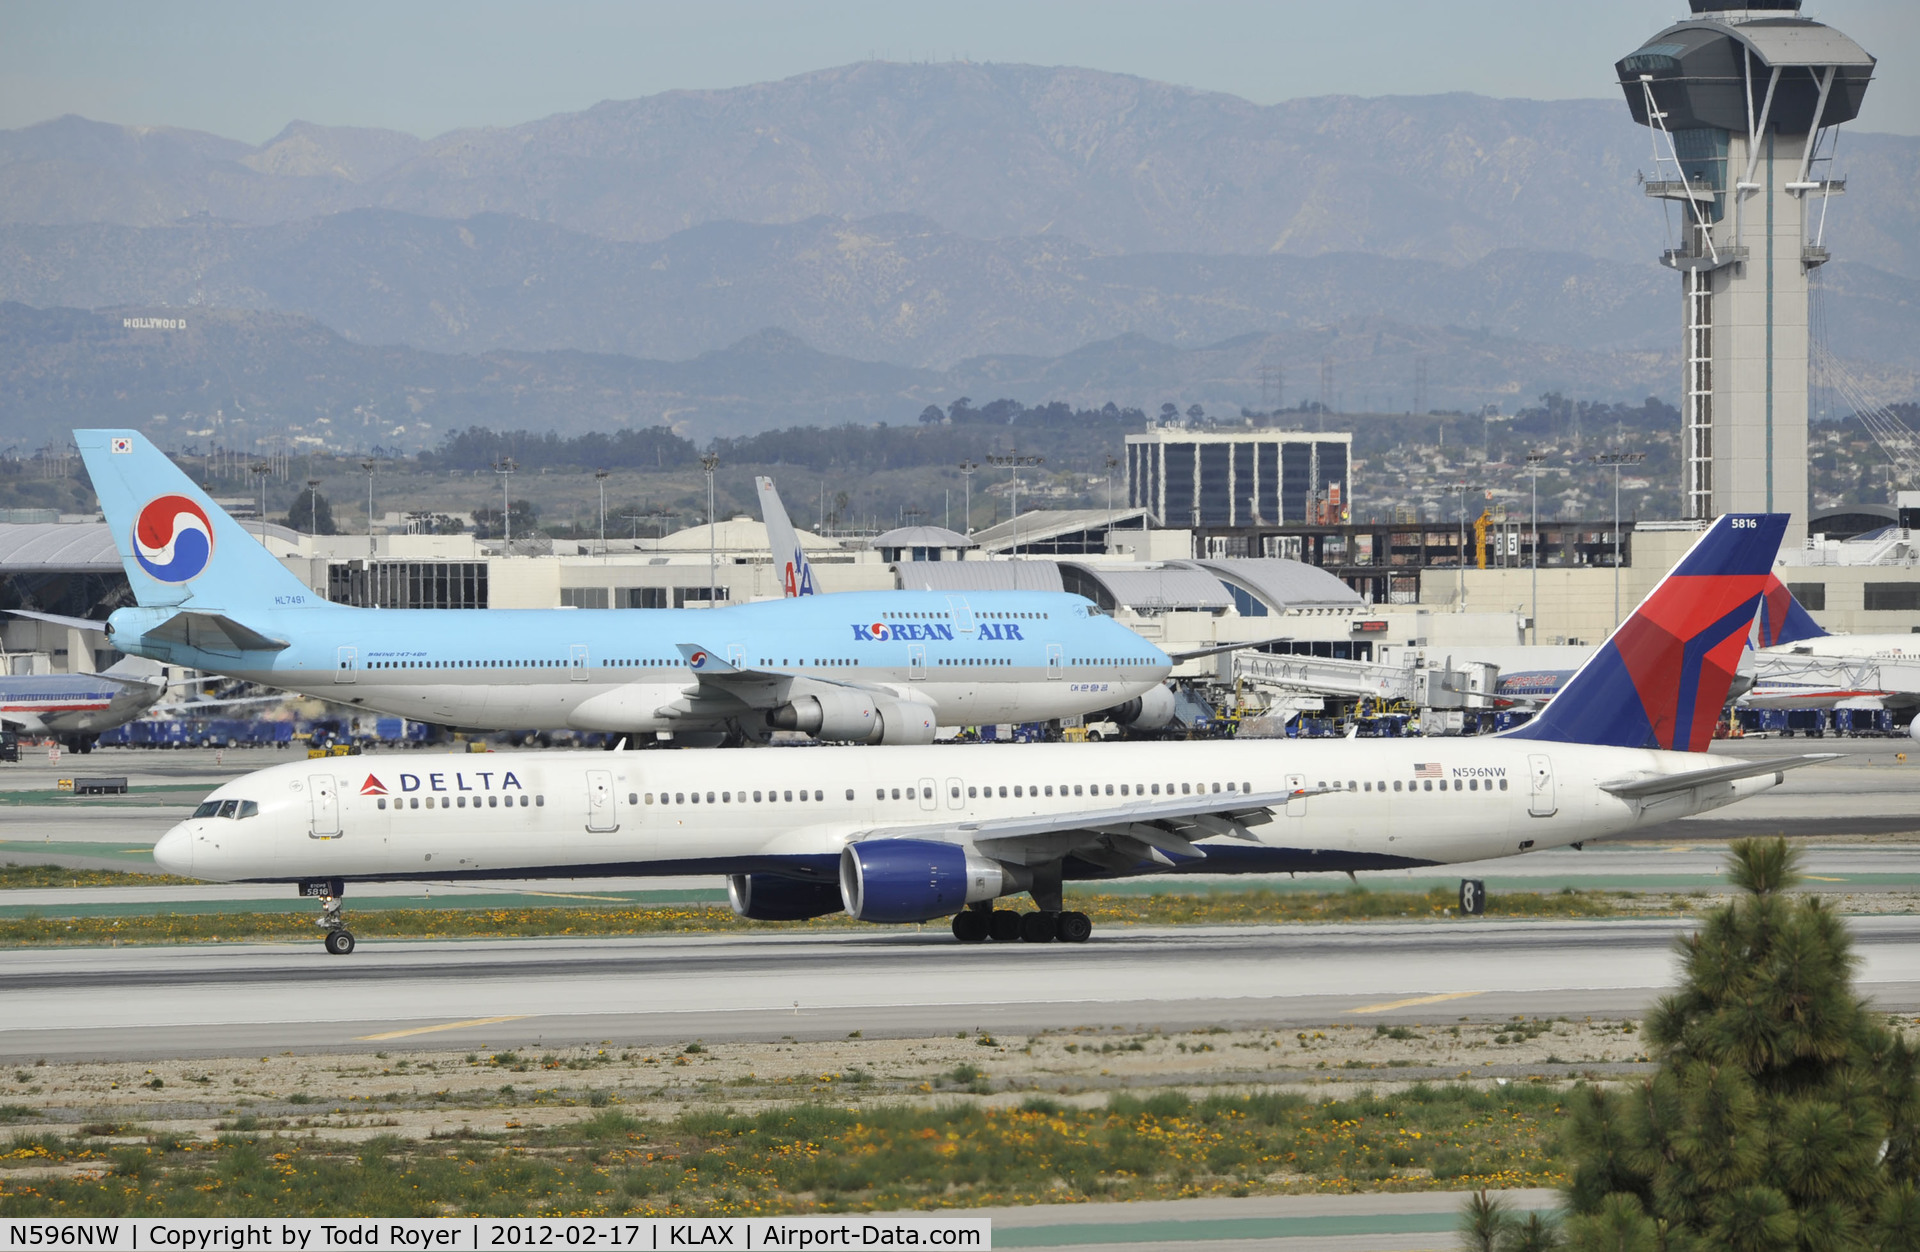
<point>1004,926</point>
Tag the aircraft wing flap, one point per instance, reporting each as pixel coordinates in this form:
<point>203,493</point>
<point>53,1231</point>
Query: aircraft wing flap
<point>1052,835</point>
<point>214,632</point>
<point>1649,786</point>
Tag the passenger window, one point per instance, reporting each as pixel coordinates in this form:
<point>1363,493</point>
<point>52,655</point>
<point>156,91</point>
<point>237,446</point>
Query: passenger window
<point>789,797</point>
<point>726,797</point>
<point>953,793</point>
<point>973,793</point>
<point>381,803</point>
<point>429,801</point>
<point>756,797</point>
<point>1049,789</point>
<point>1429,786</point>
<point>540,802</point>
<point>1076,789</point>
<point>1352,785</point>
<point>649,798</point>
<point>1186,789</point>
<point>849,793</point>
<point>1109,788</point>
<point>680,797</point>
<point>1503,784</point>
<point>415,804</point>
<point>709,797</point>
<point>818,795</point>
<point>461,802</point>
<point>1216,788</point>
<point>896,793</point>
<point>1016,792</point>
<point>1473,784</point>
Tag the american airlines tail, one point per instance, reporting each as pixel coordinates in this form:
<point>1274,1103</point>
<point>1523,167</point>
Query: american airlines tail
<point>796,576</point>
<point>1662,678</point>
<point>179,548</point>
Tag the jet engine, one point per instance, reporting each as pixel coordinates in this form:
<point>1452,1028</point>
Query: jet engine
<point>1150,710</point>
<point>838,713</point>
<point>915,880</point>
<point>771,898</point>
<point>904,721</point>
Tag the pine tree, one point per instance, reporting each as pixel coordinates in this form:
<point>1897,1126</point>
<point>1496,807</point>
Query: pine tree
<point>1785,1114</point>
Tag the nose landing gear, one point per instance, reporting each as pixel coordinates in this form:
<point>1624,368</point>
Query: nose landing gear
<point>332,894</point>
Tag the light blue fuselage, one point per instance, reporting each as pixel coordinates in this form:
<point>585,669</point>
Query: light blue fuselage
<point>980,658</point>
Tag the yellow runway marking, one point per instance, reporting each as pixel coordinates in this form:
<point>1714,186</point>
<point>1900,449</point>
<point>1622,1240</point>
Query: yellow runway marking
<point>561,895</point>
<point>1822,878</point>
<point>1415,1001</point>
<point>427,1030</point>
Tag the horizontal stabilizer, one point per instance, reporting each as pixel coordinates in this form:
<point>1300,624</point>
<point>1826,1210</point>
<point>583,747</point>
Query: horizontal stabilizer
<point>213,632</point>
<point>1648,786</point>
<point>71,623</point>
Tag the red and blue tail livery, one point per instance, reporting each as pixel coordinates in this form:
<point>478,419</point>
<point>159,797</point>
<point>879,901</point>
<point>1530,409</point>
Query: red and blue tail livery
<point>1661,679</point>
<point>173,539</point>
<point>1782,619</point>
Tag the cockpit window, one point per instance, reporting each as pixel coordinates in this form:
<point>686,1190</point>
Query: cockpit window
<point>228,808</point>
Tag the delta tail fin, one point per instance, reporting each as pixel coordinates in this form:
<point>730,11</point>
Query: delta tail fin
<point>179,548</point>
<point>789,559</point>
<point>1661,679</point>
<point>1783,620</point>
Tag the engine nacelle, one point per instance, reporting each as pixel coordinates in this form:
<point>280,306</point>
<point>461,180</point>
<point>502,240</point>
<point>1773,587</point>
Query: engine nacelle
<point>1913,728</point>
<point>771,898</point>
<point>916,880</point>
<point>1150,710</point>
<point>906,721</point>
<point>839,714</point>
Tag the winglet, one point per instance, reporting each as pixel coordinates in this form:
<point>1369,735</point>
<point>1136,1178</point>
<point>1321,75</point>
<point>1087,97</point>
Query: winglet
<point>796,576</point>
<point>706,662</point>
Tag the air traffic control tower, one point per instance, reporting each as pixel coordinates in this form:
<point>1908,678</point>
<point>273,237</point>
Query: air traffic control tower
<point>1743,104</point>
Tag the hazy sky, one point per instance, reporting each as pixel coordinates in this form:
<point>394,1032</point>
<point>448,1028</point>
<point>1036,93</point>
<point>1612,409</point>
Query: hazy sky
<point>428,66</point>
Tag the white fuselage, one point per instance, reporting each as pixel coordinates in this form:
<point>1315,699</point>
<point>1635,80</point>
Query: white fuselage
<point>1387,804</point>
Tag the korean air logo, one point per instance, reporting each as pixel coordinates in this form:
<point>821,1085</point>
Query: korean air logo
<point>173,539</point>
<point>698,660</point>
<point>878,630</point>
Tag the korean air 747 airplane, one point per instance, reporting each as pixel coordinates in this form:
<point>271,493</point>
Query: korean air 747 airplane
<point>867,667</point>
<point>911,834</point>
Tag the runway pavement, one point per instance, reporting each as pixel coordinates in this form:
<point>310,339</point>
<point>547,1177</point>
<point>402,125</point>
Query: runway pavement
<point>164,1001</point>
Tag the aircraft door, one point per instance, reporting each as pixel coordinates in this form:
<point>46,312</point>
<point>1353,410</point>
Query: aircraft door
<point>955,793</point>
<point>1540,802</point>
<point>1296,804</point>
<point>601,816</point>
<point>1056,661</point>
<point>917,662</point>
<point>927,798</point>
<point>326,806</point>
<point>962,614</point>
<point>346,665</point>
<point>577,662</point>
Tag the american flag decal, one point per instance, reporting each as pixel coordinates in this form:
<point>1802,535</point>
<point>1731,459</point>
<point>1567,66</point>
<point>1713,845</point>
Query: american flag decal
<point>1427,771</point>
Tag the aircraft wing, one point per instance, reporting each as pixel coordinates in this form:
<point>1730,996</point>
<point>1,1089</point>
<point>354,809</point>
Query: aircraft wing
<point>722,688</point>
<point>1116,836</point>
<point>1194,654</point>
<point>213,632</point>
<point>72,623</point>
<point>1649,786</point>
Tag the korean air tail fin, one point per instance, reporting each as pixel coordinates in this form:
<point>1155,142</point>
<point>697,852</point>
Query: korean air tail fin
<point>1661,679</point>
<point>789,559</point>
<point>179,547</point>
<point>1782,618</point>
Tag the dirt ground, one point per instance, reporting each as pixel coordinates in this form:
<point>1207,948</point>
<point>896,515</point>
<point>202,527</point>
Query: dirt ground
<point>416,1094</point>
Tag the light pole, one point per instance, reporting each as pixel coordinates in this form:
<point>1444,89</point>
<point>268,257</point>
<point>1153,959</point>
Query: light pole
<point>313,506</point>
<point>1113,463</point>
<point>1616,460</point>
<point>1013,460</point>
<point>709,463</point>
<point>369,465</point>
<point>260,471</point>
<point>505,468</point>
<point>600,480</point>
<point>966,473</point>
<point>1460,551</point>
<point>1535,459</point>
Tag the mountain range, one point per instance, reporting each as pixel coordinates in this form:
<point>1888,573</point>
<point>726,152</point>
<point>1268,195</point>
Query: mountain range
<point>853,243</point>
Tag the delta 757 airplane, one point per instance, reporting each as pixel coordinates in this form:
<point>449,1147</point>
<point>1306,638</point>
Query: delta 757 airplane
<point>916,833</point>
<point>871,667</point>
